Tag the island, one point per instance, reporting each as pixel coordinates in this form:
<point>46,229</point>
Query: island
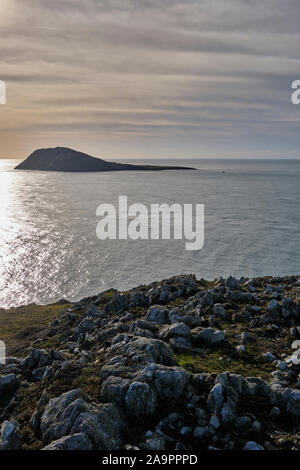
<point>66,159</point>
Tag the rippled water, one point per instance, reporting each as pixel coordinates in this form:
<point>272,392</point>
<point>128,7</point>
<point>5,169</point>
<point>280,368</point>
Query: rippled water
<point>48,244</point>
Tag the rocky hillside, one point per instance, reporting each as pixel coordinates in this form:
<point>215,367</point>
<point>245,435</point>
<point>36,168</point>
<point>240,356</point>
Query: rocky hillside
<point>181,364</point>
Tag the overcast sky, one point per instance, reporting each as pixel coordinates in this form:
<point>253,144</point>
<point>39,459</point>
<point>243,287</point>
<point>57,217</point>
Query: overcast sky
<point>150,78</point>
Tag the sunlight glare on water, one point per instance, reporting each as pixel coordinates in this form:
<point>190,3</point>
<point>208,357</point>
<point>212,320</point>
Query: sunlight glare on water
<point>48,244</point>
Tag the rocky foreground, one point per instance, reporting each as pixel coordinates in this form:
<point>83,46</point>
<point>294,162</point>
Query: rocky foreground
<point>183,365</point>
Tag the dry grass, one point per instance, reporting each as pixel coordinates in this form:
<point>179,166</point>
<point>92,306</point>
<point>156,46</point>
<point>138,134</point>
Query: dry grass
<point>19,326</point>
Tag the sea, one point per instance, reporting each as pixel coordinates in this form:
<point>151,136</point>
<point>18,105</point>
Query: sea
<point>48,244</point>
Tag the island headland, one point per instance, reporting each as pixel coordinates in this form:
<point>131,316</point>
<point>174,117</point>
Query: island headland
<point>65,159</point>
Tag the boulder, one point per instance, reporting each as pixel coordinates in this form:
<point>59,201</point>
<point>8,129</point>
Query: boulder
<point>72,413</point>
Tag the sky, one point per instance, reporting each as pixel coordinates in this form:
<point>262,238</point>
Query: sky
<point>150,78</point>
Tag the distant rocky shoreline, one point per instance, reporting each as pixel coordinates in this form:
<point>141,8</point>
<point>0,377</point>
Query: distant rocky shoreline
<point>182,364</point>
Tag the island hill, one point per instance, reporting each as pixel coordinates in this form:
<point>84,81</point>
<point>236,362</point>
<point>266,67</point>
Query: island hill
<point>65,159</point>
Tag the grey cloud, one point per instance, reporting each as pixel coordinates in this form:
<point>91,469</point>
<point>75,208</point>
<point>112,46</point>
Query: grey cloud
<point>128,69</point>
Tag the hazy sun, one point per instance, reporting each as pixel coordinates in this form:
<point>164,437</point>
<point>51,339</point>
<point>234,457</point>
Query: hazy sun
<point>7,8</point>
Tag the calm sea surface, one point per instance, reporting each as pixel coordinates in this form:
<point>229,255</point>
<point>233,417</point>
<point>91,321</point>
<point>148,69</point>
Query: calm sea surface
<point>49,248</point>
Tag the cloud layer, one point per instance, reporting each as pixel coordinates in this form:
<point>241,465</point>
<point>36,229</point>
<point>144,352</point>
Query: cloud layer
<point>146,78</point>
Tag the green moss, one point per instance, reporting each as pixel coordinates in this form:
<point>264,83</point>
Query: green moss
<point>225,358</point>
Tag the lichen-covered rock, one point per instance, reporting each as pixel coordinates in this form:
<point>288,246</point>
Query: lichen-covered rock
<point>71,413</point>
<point>167,382</point>
<point>144,350</point>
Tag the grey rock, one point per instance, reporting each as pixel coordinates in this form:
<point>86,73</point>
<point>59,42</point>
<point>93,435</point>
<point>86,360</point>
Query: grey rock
<point>186,431</point>
<point>256,426</point>
<point>119,303</point>
<point>215,422</point>
<point>288,308</point>
<point>274,306</point>
<point>77,441</point>
<point>228,411</point>
<point>114,389</point>
<point>39,358</point>
<point>71,413</point>
<point>246,337</point>
<point>167,382</point>
<point>240,297</point>
<point>145,325</point>
<point>8,383</point>
<point>219,311</point>
<point>215,399</point>
<point>140,400</point>
<point>208,336</point>
<point>157,314</point>
<point>10,436</point>
<point>181,344</point>
<point>200,432</point>
<point>251,445</point>
<point>232,283</point>
<point>178,329</point>
<point>275,411</point>
<point>291,400</point>
<point>268,357</point>
<point>154,442</point>
<point>243,423</point>
<point>144,350</point>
